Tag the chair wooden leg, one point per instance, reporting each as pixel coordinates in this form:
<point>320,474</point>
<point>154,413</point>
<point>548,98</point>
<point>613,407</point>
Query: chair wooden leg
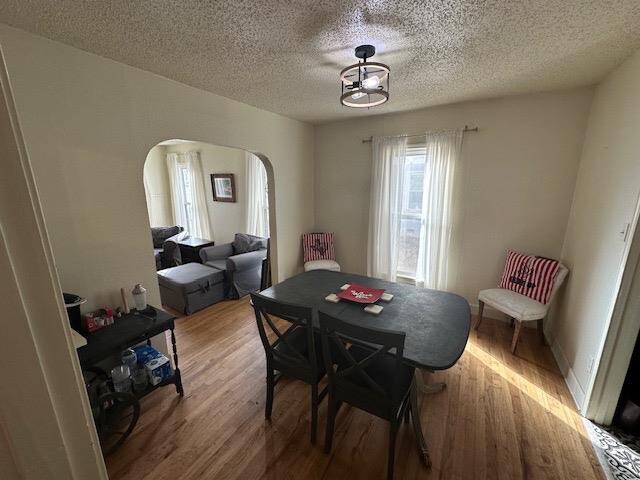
<point>480,312</point>
<point>314,412</point>
<point>331,420</point>
<point>391,458</point>
<point>541,331</point>
<point>270,387</point>
<point>516,334</point>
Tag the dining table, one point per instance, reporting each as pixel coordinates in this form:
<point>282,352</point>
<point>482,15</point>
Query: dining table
<point>436,324</point>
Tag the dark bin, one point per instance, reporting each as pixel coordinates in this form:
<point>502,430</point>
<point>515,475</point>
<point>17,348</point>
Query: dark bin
<point>72,302</point>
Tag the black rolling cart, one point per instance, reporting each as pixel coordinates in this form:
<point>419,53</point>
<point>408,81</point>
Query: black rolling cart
<point>116,413</point>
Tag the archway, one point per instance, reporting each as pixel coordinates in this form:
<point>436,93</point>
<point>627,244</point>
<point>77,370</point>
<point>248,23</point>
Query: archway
<point>225,216</point>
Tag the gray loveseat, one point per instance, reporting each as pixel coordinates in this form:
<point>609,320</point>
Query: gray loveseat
<point>241,262</point>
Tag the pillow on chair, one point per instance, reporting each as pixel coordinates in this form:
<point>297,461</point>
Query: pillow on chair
<point>318,246</point>
<point>244,243</point>
<point>530,275</point>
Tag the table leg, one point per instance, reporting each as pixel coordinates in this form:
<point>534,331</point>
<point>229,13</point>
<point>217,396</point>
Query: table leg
<point>423,451</point>
<point>428,388</point>
<point>178,376</point>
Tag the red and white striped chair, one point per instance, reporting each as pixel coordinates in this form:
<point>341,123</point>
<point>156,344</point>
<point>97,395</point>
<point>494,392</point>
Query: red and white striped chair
<point>519,307</point>
<point>319,252</point>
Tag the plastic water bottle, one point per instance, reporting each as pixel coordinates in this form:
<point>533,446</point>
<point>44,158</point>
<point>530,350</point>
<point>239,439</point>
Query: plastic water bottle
<point>121,376</point>
<point>129,358</point>
<point>140,380</point>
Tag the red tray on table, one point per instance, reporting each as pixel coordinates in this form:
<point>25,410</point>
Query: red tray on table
<point>361,294</point>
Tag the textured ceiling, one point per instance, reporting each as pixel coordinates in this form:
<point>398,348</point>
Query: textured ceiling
<point>284,56</point>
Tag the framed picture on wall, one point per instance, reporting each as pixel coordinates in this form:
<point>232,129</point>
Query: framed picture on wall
<point>223,186</point>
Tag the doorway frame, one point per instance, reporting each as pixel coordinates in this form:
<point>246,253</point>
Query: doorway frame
<point>620,336</point>
<point>46,419</point>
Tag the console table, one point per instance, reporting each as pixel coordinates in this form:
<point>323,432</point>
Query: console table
<point>190,248</point>
<point>127,331</point>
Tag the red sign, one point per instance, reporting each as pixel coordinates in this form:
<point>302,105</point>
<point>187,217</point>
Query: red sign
<point>361,294</point>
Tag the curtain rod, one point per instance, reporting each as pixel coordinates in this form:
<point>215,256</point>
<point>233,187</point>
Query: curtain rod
<point>466,129</point>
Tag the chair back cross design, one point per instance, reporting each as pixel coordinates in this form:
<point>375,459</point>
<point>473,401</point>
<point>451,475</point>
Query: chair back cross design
<point>357,368</point>
<point>349,372</point>
<point>292,353</point>
<point>365,370</point>
<point>291,341</point>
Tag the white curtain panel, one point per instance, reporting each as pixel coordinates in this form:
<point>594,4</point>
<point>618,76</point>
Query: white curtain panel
<point>257,210</point>
<point>189,204</point>
<point>177,192</point>
<point>388,159</point>
<point>147,194</point>
<point>442,155</point>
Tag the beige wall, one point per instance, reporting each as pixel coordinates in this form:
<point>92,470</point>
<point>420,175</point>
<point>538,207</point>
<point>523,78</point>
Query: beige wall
<point>158,189</point>
<point>518,174</point>
<point>89,123</point>
<point>604,202</point>
<point>226,218</point>
<point>8,468</point>
<point>44,433</point>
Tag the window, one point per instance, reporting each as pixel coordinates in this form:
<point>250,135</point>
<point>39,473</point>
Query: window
<point>411,218</point>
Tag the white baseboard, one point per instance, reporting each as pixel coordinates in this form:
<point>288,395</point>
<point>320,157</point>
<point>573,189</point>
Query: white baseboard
<point>570,379</point>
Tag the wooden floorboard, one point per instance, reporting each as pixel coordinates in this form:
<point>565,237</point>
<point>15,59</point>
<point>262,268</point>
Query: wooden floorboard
<point>500,417</point>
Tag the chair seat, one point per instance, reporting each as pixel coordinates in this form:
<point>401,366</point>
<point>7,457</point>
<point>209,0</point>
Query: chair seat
<point>513,304</point>
<point>322,265</point>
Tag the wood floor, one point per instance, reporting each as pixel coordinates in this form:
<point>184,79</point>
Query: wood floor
<point>501,416</point>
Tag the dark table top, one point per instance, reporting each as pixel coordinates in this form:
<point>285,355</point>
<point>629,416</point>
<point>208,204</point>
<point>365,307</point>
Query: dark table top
<point>436,323</point>
<point>128,330</point>
<point>195,242</point>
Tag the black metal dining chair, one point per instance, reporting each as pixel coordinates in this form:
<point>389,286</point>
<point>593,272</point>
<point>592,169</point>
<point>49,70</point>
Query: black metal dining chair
<point>369,374</point>
<point>294,352</point>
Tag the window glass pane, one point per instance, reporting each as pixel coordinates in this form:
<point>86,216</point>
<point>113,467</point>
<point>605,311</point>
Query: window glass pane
<point>415,201</point>
<point>411,212</point>
<point>408,245</point>
<point>186,192</point>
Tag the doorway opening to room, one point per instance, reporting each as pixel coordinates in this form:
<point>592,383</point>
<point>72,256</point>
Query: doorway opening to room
<point>209,214</point>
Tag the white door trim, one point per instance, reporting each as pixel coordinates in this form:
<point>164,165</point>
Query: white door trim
<point>617,346</point>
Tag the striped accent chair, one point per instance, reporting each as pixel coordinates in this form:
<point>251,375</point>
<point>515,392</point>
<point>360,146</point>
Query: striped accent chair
<point>319,252</point>
<point>527,288</point>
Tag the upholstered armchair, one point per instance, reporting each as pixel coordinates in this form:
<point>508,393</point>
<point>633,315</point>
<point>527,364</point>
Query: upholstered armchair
<point>241,262</point>
<point>519,308</point>
<point>165,247</point>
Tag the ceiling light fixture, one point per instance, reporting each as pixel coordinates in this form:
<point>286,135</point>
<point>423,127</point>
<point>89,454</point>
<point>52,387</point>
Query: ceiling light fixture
<point>365,84</point>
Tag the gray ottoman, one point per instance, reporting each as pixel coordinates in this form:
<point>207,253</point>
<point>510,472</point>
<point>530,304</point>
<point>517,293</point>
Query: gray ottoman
<point>190,287</point>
